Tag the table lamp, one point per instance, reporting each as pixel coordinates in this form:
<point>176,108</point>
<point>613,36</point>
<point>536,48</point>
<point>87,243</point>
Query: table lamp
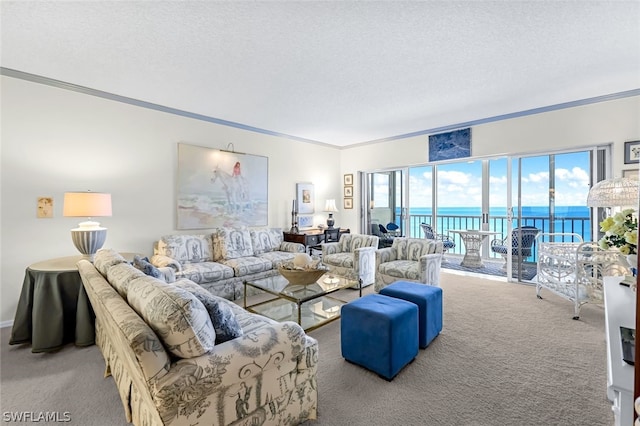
<point>89,236</point>
<point>330,207</point>
<point>616,192</point>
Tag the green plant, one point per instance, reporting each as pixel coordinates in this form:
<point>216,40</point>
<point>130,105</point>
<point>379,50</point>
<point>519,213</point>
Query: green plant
<point>621,231</point>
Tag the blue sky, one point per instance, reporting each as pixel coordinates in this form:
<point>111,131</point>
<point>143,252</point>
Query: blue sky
<point>460,183</point>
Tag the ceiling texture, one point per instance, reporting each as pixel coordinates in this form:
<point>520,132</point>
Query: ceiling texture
<point>335,72</point>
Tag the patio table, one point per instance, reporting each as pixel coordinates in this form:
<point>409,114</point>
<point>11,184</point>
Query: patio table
<point>472,240</point>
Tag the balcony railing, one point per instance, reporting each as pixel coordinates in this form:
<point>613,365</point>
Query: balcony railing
<point>444,223</point>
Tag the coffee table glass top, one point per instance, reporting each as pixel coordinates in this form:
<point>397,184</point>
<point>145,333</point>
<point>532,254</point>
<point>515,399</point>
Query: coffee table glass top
<point>308,305</point>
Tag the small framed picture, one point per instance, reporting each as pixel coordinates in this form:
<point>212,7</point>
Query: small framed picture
<point>348,203</point>
<point>348,191</point>
<point>632,152</point>
<point>305,221</point>
<point>630,174</point>
<point>348,179</point>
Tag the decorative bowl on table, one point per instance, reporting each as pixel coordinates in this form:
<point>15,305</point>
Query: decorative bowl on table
<point>301,276</point>
<point>302,270</point>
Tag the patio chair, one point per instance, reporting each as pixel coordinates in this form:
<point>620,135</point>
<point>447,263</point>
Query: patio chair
<point>522,240</point>
<point>430,234</point>
<point>384,239</point>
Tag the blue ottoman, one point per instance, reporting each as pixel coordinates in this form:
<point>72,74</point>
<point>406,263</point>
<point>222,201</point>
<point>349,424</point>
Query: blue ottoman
<point>429,301</point>
<point>379,333</point>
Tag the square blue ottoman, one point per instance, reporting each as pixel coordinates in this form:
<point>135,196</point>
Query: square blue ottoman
<point>379,333</point>
<point>429,301</point>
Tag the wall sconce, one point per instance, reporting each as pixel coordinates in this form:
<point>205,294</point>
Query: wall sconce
<point>89,236</point>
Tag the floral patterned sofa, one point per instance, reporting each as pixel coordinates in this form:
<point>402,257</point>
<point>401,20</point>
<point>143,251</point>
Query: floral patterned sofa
<point>164,344</point>
<point>409,259</point>
<point>354,254</point>
<point>222,260</point>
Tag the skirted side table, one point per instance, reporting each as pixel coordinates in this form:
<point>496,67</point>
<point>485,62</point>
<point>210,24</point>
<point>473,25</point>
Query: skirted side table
<point>54,309</point>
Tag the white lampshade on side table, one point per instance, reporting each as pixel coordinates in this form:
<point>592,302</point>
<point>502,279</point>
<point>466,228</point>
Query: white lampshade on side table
<point>89,236</point>
<point>616,192</point>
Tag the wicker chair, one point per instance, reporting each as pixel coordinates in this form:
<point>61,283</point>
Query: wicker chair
<point>522,240</point>
<point>430,234</point>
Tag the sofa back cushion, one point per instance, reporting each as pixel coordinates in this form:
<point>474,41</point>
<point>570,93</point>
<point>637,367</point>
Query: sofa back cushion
<point>186,248</point>
<point>351,242</point>
<point>265,240</point>
<point>121,275</point>
<point>231,243</point>
<point>179,319</point>
<point>105,258</point>
<point>414,248</point>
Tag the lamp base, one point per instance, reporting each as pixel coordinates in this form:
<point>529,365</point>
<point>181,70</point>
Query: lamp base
<point>330,221</point>
<point>88,241</point>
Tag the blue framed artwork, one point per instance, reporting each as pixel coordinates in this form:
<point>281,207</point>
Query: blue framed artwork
<point>450,145</point>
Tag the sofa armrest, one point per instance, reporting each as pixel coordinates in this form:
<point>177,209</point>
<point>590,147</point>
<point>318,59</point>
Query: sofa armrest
<point>249,355</point>
<point>386,254</point>
<point>331,248</point>
<point>430,268</point>
<point>161,261</point>
<point>291,247</point>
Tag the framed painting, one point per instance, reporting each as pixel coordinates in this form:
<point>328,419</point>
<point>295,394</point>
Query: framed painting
<point>305,198</point>
<point>348,179</point>
<point>632,152</point>
<point>450,145</point>
<point>348,191</point>
<point>220,188</point>
<point>348,203</point>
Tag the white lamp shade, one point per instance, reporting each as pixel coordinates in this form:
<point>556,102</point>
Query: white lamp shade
<point>330,206</point>
<point>617,192</point>
<point>86,204</point>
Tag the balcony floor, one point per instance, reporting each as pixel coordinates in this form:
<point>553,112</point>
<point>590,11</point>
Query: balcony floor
<point>491,267</point>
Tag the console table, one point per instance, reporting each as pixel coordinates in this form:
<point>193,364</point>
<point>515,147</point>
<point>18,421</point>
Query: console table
<point>53,308</point>
<point>619,305</point>
<point>309,238</point>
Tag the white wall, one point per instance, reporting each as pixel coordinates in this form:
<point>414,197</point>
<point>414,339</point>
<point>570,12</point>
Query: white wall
<point>56,140</point>
<point>612,122</point>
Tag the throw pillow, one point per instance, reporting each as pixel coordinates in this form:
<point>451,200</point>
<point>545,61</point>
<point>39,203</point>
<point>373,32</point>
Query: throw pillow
<point>177,316</point>
<point>143,264</point>
<point>224,321</point>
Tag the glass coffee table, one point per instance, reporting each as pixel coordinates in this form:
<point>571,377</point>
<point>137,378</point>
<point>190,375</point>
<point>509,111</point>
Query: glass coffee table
<point>309,305</point>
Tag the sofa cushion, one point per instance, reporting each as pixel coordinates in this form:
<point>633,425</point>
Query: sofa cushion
<point>231,243</point>
<point>221,314</point>
<point>121,275</point>
<point>205,272</point>
<point>408,269</point>
<point>186,248</point>
<point>277,257</point>
<point>177,316</point>
<point>248,265</point>
<point>105,258</point>
<point>143,264</point>
<point>265,240</point>
<point>344,260</point>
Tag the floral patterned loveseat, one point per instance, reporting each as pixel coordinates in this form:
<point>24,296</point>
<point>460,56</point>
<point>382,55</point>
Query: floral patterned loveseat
<point>164,344</point>
<point>222,260</point>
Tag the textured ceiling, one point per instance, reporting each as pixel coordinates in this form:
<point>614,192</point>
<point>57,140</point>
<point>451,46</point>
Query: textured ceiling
<point>335,72</point>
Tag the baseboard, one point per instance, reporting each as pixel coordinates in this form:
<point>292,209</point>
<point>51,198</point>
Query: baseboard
<point>4,324</point>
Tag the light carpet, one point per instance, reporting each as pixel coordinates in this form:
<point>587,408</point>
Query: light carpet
<point>503,358</point>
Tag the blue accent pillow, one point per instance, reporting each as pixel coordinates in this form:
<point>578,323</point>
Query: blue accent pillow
<point>224,321</point>
<point>145,266</point>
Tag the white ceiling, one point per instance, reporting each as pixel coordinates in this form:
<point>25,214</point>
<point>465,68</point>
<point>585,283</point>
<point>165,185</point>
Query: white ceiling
<point>340,73</point>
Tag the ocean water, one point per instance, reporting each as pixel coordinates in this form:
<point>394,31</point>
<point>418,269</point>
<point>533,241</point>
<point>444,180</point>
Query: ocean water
<point>567,219</point>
